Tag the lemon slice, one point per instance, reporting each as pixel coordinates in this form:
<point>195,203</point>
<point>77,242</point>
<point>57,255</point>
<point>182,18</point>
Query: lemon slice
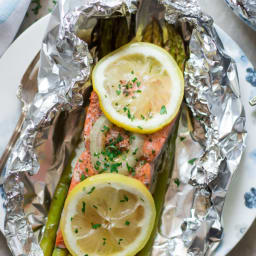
<point>108,214</point>
<point>140,87</point>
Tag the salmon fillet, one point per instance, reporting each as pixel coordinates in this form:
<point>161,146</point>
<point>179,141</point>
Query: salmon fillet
<point>143,171</point>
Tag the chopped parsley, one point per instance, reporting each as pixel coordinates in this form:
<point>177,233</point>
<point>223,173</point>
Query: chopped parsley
<point>127,223</point>
<point>37,7</point>
<point>153,151</point>
<point>83,207</point>
<point>132,72</point>
<point>71,218</point>
<point>192,161</point>
<point>104,240</point>
<point>125,199</point>
<point>113,167</point>
<point>129,115</point>
<point>86,169</point>
<point>140,127</point>
<point>80,160</point>
<point>138,91</point>
<point>91,190</point>
<point>95,226</point>
<point>135,151</point>
<point>138,84</point>
<point>94,206</point>
<point>118,92</point>
<point>163,110</point>
<point>76,230</point>
<point>134,79</point>
<point>82,177</point>
<point>177,182</point>
<point>130,169</point>
<point>120,240</point>
<point>105,129</point>
<point>142,117</point>
<point>182,138</point>
<point>131,138</point>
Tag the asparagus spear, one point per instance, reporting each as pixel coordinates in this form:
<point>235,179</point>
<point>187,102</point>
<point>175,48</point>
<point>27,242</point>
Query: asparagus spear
<point>60,252</point>
<point>48,240</point>
<point>120,32</point>
<point>175,46</point>
<point>161,187</point>
<point>153,33</point>
<point>172,42</point>
<point>106,34</point>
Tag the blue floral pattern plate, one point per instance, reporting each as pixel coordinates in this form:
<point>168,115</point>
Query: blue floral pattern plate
<point>240,206</point>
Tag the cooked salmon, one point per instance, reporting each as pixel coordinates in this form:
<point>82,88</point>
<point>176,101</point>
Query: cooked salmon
<point>144,167</point>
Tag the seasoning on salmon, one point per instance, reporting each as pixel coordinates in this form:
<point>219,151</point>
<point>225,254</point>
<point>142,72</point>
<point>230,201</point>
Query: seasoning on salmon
<point>117,146</point>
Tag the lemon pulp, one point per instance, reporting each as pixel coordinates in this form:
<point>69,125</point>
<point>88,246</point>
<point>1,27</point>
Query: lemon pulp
<point>140,87</point>
<point>108,214</point>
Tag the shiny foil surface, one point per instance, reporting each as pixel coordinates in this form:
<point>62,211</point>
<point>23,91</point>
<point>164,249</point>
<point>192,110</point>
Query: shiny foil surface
<point>245,9</point>
<point>209,146</point>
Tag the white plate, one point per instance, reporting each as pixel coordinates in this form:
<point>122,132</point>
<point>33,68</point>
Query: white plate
<point>237,216</point>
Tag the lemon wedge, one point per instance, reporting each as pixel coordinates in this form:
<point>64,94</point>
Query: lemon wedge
<point>140,87</point>
<point>108,214</point>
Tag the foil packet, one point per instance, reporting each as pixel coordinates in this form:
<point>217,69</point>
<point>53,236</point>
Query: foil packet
<point>245,9</point>
<point>209,144</point>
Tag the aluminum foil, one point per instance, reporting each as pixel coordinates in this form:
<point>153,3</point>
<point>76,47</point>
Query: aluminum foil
<point>245,9</point>
<point>210,141</point>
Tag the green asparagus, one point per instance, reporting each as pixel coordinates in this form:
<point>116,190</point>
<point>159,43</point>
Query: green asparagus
<point>120,32</point>
<point>153,33</point>
<point>161,187</point>
<point>175,46</point>
<point>172,41</point>
<point>106,35</point>
<point>60,252</point>
<point>48,240</point>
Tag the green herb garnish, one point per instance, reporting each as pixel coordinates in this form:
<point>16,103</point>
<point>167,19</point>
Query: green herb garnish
<point>125,199</point>
<point>113,167</point>
<point>91,190</point>
<point>82,177</point>
<point>177,182</point>
<point>95,226</point>
<point>135,151</point>
<point>83,207</point>
<point>182,138</point>
<point>163,110</point>
<point>120,240</point>
<point>105,129</point>
<point>192,161</point>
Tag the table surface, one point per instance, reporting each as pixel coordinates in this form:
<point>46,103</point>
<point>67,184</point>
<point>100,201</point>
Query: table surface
<point>233,26</point>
